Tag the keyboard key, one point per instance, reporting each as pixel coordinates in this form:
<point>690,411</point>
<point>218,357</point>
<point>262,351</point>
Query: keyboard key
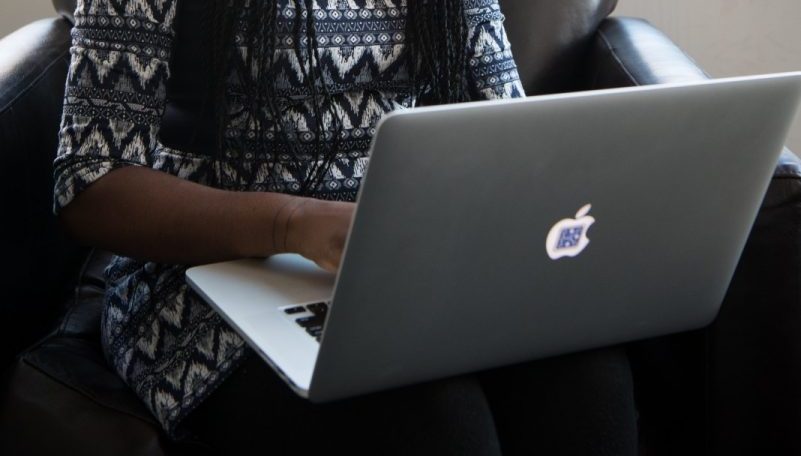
<point>320,308</point>
<point>310,321</point>
<point>313,324</point>
<point>294,310</point>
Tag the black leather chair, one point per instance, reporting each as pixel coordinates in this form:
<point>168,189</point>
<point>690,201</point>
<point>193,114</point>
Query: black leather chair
<point>732,388</point>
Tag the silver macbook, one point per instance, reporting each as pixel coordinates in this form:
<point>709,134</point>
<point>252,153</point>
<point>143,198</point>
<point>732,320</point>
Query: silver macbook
<point>494,233</point>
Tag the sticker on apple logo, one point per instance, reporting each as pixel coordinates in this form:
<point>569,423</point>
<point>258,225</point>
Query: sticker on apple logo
<point>568,237</point>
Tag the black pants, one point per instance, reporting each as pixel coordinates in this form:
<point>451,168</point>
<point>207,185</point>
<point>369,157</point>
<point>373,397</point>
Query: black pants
<point>581,404</point>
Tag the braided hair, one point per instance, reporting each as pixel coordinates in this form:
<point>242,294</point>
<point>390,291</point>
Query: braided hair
<point>435,51</point>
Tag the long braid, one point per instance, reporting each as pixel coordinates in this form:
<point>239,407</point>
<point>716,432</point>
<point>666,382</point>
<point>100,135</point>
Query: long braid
<point>458,53</point>
<point>320,170</point>
<point>221,58</point>
<point>436,57</point>
<point>263,43</point>
<point>437,42</point>
<point>315,85</point>
<point>268,86</point>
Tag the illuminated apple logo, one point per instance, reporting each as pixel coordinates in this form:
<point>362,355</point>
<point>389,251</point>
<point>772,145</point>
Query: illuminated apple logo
<point>568,237</point>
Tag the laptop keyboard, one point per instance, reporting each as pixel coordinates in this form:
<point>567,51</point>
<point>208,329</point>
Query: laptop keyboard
<point>310,317</point>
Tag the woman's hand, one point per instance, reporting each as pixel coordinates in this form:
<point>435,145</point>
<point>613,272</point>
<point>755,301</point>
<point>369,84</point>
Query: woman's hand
<point>150,215</point>
<point>318,229</point>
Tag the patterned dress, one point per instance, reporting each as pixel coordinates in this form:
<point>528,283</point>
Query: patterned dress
<point>165,342</point>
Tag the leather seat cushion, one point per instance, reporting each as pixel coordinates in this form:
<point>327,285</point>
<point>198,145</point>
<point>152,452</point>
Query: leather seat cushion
<point>63,386</point>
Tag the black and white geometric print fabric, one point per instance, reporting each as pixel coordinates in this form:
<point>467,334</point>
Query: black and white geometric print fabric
<point>165,342</point>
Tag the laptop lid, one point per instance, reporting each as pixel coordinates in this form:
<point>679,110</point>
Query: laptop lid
<point>447,267</point>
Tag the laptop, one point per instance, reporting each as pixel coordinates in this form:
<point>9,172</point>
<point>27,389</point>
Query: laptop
<point>493,233</point>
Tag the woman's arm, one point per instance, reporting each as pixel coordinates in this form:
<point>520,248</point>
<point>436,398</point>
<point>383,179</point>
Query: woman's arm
<point>146,214</point>
<point>492,71</point>
<point>107,193</point>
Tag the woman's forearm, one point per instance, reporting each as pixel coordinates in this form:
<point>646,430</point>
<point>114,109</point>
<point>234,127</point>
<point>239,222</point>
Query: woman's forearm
<point>150,215</point>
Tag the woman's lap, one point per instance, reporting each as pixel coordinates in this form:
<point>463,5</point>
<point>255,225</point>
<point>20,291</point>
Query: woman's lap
<point>575,404</point>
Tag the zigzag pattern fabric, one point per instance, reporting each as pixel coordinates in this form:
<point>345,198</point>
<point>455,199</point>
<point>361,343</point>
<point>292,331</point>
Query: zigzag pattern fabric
<point>163,340</point>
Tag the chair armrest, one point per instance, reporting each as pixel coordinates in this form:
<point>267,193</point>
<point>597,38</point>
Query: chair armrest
<point>786,185</point>
<point>28,54</point>
<point>42,262</point>
<point>630,51</point>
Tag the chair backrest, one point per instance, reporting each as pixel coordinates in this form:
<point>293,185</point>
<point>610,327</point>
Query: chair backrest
<point>550,38</point>
<point>66,8</point>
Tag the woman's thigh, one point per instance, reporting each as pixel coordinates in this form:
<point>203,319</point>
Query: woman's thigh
<point>577,404</point>
<point>254,410</point>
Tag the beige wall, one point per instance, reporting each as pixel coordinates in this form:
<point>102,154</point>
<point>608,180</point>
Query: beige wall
<point>16,13</point>
<point>731,37</point>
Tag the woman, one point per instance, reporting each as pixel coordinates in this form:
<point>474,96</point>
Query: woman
<point>284,98</point>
